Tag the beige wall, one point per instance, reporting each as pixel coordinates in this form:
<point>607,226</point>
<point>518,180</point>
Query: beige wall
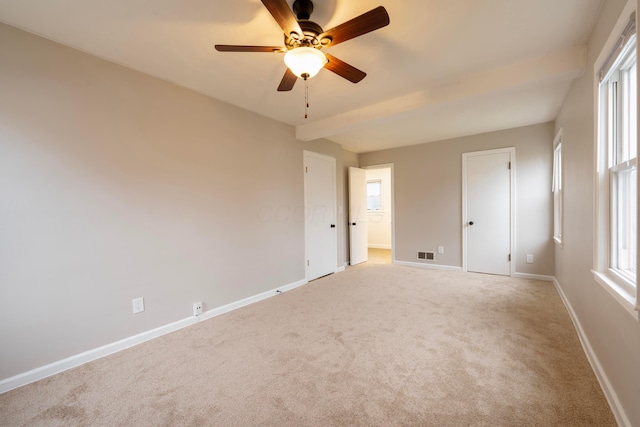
<point>116,185</point>
<point>611,332</point>
<point>428,195</point>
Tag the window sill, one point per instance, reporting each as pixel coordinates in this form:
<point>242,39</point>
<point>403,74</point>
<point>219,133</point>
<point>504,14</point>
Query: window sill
<point>621,295</point>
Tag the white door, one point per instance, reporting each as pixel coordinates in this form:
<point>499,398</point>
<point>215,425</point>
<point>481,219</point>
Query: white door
<point>320,215</point>
<point>487,201</point>
<point>358,216</point>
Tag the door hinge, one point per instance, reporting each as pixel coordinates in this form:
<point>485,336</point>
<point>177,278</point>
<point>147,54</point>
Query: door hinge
<point>509,165</point>
<point>509,257</point>
<point>306,169</point>
<point>307,263</point>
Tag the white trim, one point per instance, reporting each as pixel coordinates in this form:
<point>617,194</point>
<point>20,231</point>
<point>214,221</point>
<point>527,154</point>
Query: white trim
<point>609,392</point>
<point>621,296</point>
<point>512,195</point>
<point>250,300</point>
<point>90,355</point>
<point>533,277</point>
<point>557,141</point>
<point>105,350</point>
<point>340,269</point>
<point>374,246</point>
<point>614,34</point>
<point>433,266</point>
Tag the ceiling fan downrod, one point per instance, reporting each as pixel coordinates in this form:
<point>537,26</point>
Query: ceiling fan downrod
<point>303,9</point>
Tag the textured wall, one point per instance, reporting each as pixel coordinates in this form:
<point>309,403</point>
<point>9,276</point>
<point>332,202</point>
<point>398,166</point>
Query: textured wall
<point>116,185</point>
<point>428,195</point>
<point>613,334</point>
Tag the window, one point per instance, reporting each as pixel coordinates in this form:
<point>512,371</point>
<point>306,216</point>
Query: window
<point>557,188</point>
<point>617,142</point>
<point>374,195</point>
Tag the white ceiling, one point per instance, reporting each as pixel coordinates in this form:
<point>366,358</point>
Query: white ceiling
<point>441,69</point>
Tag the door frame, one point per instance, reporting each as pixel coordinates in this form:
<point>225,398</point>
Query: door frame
<point>512,202</point>
<point>393,206</point>
<point>307,217</point>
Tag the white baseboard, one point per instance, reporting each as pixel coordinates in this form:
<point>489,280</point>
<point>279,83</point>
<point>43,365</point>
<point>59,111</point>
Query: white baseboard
<point>609,392</point>
<point>341,269</point>
<point>374,246</point>
<point>97,353</point>
<point>433,266</point>
<point>534,277</point>
<point>247,301</point>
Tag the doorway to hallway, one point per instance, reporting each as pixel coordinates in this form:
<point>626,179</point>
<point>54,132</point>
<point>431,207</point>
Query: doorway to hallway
<point>379,256</point>
<point>371,214</point>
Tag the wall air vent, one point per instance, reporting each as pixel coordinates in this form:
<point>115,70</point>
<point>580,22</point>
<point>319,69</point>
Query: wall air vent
<point>426,256</point>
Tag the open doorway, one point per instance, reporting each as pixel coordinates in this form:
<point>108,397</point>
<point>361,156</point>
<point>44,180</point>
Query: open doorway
<point>380,214</point>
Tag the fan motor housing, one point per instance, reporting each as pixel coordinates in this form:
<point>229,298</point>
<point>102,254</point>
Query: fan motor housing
<point>310,29</point>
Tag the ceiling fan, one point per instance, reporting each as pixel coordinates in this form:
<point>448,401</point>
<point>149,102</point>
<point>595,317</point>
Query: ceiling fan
<point>304,39</point>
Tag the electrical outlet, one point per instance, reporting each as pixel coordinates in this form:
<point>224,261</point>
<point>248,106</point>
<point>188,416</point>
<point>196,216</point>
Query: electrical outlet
<point>197,308</point>
<point>138,305</point>
<point>529,259</point>
<point>440,249</point>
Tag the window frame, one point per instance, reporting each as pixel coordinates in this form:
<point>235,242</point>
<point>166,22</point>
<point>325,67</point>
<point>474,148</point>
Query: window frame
<point>615,53</point>
<point>558,195</point>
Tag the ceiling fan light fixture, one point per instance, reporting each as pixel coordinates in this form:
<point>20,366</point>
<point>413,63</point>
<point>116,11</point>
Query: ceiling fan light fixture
<point>305,62</point>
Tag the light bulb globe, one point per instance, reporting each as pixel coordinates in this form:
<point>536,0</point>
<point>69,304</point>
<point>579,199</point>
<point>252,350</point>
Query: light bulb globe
<point>305,62</point>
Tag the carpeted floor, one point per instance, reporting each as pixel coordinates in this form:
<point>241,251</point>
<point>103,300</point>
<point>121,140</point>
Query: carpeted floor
<point>377,345</point>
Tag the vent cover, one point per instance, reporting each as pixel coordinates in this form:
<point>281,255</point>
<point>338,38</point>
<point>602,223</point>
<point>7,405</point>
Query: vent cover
<point>426,256</point>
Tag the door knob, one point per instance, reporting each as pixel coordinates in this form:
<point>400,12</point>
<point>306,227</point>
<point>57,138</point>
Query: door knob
<point>333,226</point>
<point>470,222</point>
<point>353,223</point>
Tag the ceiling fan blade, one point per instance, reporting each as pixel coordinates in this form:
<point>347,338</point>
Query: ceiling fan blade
<point>284,16</point>
<point>363,24</point>
<point>343,69</point>
<point>235,48</point>
<point>288,80</point>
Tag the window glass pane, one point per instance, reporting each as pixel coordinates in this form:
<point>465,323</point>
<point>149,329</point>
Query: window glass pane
<point>633,111</point>
<point>373,188</point>
<point>627,147</point>
<point>625,222</point>
<point>374,193</point>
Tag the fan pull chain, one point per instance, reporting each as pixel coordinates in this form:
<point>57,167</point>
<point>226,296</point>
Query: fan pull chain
<point>306,97</point>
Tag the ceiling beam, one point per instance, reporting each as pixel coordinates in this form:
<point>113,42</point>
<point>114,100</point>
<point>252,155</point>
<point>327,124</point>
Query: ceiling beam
<point>565,64</point>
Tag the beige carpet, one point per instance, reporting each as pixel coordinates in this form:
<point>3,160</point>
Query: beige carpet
<point>377,345</point>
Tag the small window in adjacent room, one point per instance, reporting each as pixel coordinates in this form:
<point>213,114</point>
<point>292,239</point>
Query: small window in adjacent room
<point>557,188</point>
<point>616,144</point>
<point>374,195</point>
